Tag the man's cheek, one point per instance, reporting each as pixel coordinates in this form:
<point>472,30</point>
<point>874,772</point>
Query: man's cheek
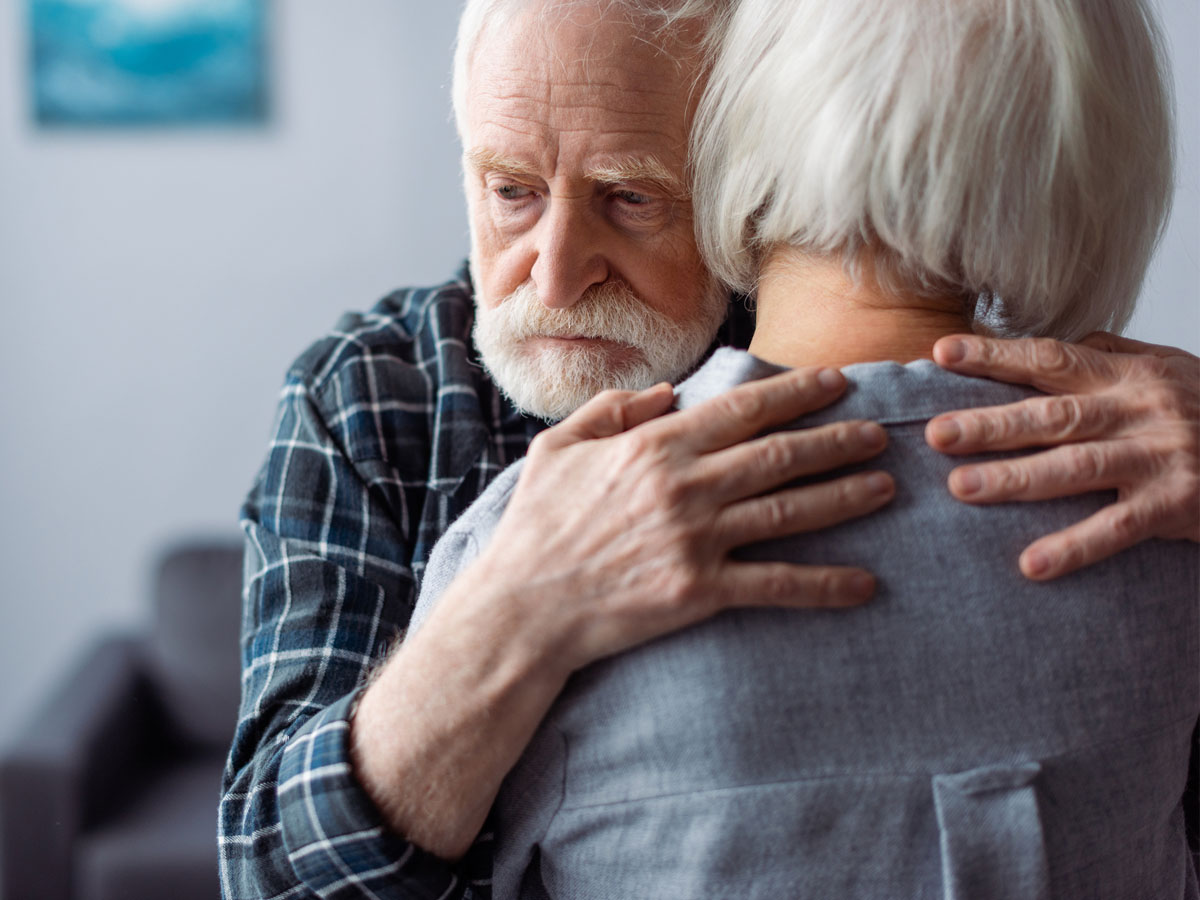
<point>501,268</point>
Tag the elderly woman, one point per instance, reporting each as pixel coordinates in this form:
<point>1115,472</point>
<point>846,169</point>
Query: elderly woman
<point>878,176</point>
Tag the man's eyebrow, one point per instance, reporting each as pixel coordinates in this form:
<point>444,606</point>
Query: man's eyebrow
<point>644,169</point>
<point>483,160</point>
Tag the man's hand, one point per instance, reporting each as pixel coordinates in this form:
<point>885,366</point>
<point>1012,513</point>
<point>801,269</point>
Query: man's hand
<point>1124,415</point>
<point>619,531</point>
<point>635,526</point>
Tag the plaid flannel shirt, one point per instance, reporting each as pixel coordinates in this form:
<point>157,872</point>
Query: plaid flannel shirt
<point>387,430</point>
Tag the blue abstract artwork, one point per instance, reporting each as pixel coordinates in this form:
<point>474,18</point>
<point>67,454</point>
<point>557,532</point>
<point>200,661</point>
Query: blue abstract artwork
<point>148,62</point>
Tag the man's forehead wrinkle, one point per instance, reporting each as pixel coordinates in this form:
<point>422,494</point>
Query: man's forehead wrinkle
<point>577,60</point>
<point>633,43</point>
<point>583,103</point>
<point>609,105</point>
<point>613,87</point>
<point>532,129</point>
<point>534,90</point>
<point>509,113</point>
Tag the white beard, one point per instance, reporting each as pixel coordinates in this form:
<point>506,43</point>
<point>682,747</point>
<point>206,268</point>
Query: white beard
<point>551,382</point>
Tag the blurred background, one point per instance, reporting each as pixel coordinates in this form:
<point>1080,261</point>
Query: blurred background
<point>156,280</point>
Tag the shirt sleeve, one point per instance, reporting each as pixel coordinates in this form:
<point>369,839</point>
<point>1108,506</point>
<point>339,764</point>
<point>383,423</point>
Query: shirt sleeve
<point>461,544</point>
<point>328,590</point>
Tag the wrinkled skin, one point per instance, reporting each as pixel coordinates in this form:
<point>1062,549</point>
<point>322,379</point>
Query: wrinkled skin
<point>1122,415</point>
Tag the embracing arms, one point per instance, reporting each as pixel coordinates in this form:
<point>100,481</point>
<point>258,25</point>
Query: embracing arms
<point>310,809</point>
<point>612,537</point>
<point>685,492</point>
<point>326,599</point>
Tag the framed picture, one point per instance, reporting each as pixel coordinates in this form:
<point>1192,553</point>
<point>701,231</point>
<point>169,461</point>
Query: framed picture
<point>148,62</point>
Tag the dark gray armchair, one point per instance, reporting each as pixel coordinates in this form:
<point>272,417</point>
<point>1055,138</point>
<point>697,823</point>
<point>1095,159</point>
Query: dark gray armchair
<point>112,790</point>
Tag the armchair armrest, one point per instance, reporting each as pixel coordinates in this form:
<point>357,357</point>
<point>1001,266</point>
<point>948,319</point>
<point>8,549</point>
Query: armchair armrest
<point>69,766</point>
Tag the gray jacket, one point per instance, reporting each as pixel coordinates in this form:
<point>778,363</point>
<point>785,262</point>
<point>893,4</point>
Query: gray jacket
<point>968,734</point>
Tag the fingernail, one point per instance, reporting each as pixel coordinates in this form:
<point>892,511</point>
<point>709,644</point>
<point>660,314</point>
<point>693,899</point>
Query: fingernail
<point>954,351</point>
<point>1035,562</point>
<point>968,481</point>
<point>862,586</point>
<point>878,483</point>
<point>945,432</point>
<point>830,379</point>
<point>870,434</point>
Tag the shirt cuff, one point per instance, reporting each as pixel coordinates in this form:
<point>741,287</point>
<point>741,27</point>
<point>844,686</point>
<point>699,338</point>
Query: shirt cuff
<point>336,837</point>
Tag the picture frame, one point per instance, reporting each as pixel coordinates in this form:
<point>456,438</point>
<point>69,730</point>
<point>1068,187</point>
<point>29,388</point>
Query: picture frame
<point>120,63</point>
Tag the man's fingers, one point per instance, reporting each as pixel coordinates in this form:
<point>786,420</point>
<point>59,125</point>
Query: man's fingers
<point>1044,363</point>
<point>748,469</point>
<point>808,508</point>
<point>751,408</point>
<point>1129,420</point>
<point>1114,343</point>
<point>645,405</point>
<point>609,413</point>
<point>1097,537</point>
<point>1061,472</point>
<point>753,584</point>
<point>1036,422</point>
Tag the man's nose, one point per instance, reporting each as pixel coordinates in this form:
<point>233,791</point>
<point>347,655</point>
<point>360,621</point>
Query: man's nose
<point>570,256</point>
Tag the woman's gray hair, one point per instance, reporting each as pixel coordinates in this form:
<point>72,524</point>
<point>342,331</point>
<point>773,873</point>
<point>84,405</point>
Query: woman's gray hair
<point>1018,150</point>
<point>661,20</point>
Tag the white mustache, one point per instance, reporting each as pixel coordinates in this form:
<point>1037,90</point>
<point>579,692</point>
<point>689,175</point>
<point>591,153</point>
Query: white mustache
<point>609,311</point>
<point>553,382</point>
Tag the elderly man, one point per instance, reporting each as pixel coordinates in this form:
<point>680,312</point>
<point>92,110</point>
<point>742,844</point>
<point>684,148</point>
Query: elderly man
<point>584,275</point>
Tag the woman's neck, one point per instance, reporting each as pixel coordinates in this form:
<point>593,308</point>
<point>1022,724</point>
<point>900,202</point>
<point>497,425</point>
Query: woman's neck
<point>810,312</point>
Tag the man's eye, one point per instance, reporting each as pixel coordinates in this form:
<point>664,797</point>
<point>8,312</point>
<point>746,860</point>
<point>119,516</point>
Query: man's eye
<point>633,198</point>
<point>512,192</point>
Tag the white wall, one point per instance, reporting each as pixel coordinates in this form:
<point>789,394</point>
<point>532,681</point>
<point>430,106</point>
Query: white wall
<point>1169,312</point>
<point>154,287</point>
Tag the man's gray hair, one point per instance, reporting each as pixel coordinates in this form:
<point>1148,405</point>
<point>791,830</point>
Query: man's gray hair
<point>661,20</point>
<point>1012,149</point>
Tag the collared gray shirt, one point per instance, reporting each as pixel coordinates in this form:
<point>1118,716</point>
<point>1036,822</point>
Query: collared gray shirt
<point>968,735</point>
